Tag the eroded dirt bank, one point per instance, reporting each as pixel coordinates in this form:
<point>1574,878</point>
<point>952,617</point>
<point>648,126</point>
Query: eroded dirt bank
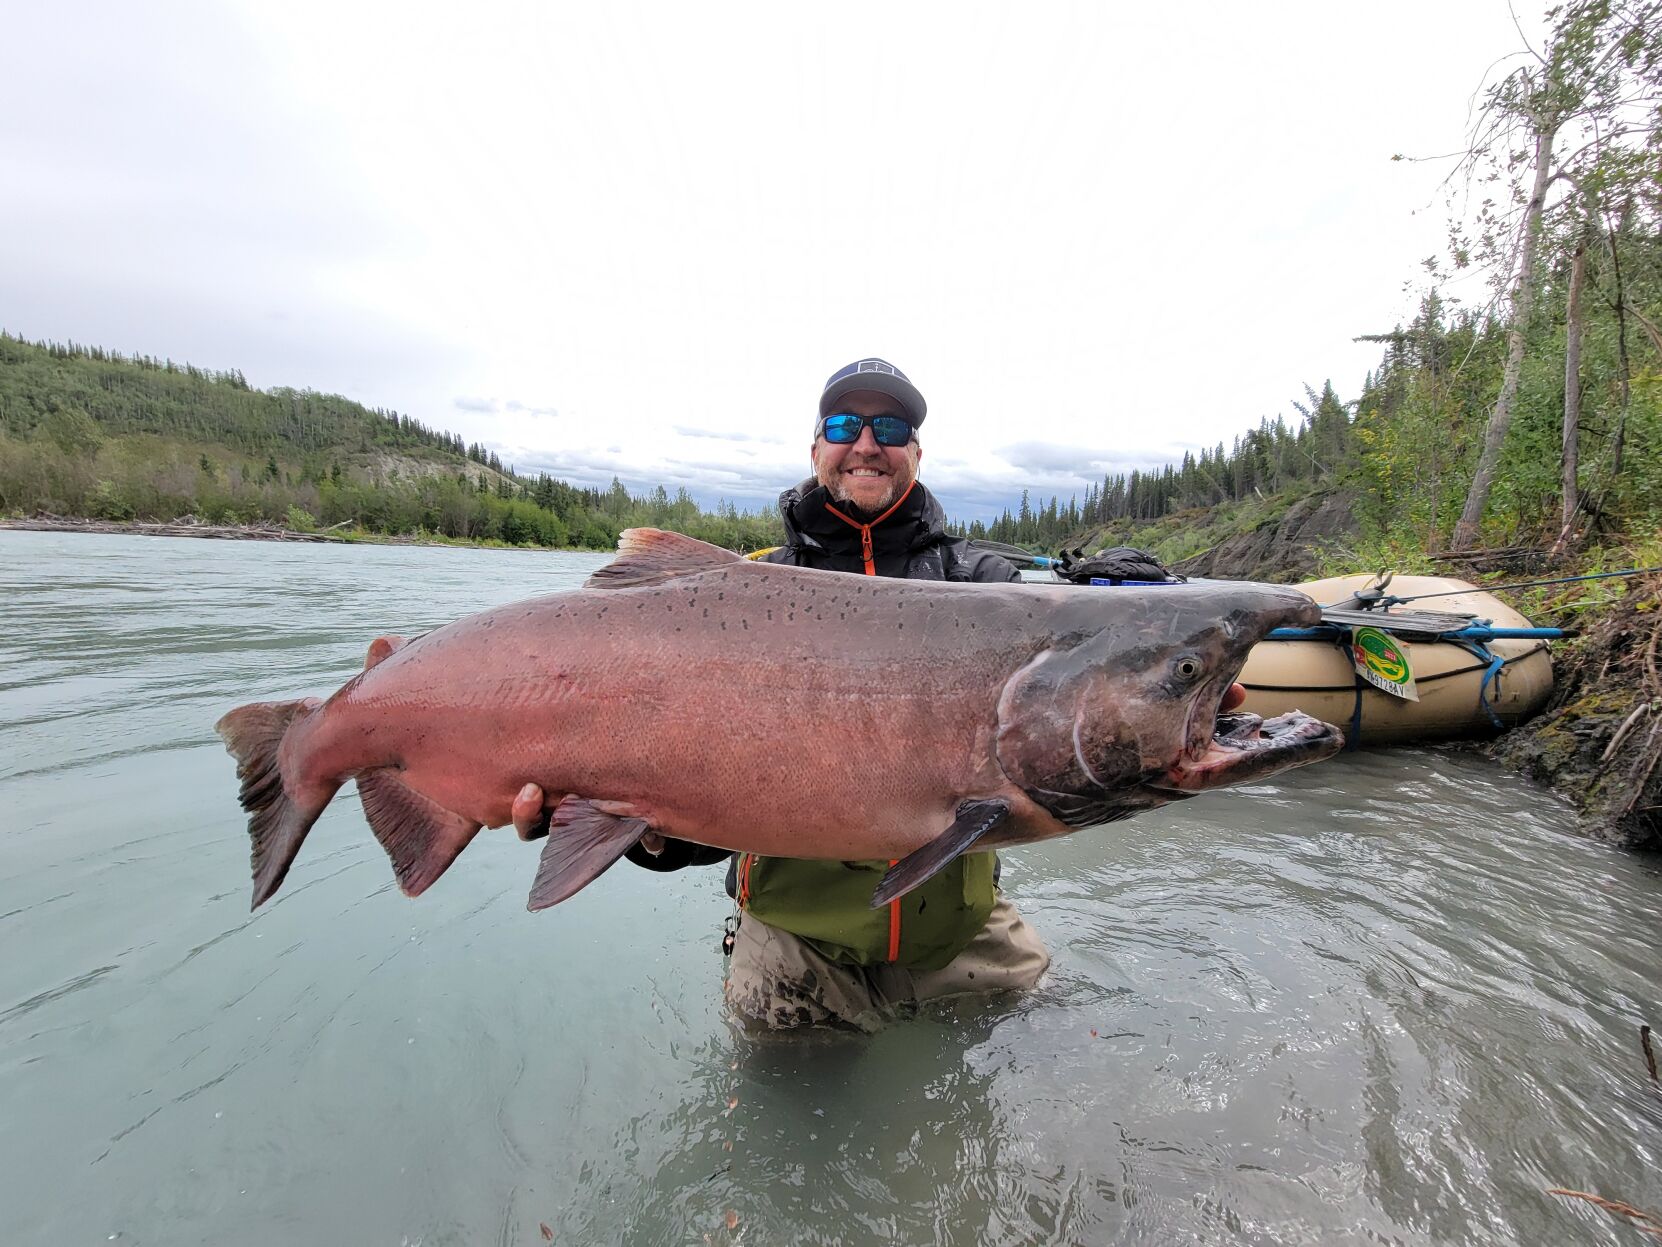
<point>1599,742</point>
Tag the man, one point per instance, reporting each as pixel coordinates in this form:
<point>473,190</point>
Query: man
<point>809,950</point>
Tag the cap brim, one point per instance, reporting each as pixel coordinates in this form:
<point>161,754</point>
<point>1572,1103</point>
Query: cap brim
<point>901,390</point>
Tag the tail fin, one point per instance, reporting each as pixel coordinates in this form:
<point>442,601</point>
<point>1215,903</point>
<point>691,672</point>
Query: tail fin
<point>280,813</point>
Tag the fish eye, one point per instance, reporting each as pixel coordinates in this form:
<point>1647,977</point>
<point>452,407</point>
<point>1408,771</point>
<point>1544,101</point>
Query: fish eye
<point>1186,667</point>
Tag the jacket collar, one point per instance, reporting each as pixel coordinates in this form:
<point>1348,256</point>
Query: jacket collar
<point>919,521</point>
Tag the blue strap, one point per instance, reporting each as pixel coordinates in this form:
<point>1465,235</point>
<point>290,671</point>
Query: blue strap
<point>1341,637</point>
<point>1483,653</point>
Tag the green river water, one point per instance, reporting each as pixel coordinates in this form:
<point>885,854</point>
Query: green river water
<point>1388,999</point>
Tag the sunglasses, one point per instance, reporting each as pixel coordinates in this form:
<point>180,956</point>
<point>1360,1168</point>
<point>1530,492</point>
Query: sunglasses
<point>843,429</point>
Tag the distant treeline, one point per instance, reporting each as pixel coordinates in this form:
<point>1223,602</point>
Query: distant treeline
<point>85,431</point>
<point>1264,460</point>
<point>1405,449</point>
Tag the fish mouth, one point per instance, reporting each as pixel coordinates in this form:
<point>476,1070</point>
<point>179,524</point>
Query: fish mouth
<point>1244,748</point>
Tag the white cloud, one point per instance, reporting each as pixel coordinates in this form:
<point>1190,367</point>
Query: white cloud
<point>1102,230</point>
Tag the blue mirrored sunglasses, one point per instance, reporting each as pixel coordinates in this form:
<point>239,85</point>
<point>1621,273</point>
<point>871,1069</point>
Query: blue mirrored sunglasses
<point>843,429</point>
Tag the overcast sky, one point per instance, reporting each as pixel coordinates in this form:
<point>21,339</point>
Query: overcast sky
<point>635,239</point>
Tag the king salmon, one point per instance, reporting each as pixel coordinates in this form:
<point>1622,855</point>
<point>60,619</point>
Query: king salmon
<point>785,711</point>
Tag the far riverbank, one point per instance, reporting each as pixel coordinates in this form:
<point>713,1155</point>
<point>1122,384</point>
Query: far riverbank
<point>189,526</point>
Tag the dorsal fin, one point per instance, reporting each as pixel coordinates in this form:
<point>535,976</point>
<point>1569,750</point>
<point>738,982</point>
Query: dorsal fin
<point>646,555</point>
<point>383,648</point>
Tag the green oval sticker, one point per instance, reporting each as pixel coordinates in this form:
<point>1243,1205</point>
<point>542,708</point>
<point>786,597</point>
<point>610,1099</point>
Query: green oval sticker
<point>1382,661</point>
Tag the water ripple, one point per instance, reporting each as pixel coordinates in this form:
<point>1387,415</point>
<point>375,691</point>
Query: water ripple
<point>1389,999</point>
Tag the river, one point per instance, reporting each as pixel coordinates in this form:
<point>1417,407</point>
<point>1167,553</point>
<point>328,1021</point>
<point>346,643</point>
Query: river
<point>1388,999</point>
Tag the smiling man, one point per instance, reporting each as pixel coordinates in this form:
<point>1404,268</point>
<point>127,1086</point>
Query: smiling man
<point>864,509</point>
<point>809,949</point>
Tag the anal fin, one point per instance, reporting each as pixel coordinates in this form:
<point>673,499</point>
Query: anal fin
<point>975,819</point>
<point>421,836</point>
<point>583,842</point>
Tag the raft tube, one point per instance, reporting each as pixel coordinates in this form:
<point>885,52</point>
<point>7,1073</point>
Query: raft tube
<point>1318,677</point>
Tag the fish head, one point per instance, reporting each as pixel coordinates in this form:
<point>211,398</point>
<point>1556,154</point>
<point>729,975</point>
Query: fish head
<point>1121,711</point>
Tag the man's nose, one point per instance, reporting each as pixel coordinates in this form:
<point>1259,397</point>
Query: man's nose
<point>866,443</point>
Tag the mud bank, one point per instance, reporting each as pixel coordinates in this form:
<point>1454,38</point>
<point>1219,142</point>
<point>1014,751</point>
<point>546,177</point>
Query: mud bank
<point>1599,741</point>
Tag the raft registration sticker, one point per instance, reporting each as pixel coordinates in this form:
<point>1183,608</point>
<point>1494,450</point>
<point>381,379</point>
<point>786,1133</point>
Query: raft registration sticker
<point>1382,661</point>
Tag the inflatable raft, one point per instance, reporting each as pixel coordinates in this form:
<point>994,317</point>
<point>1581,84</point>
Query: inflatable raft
<point>1467,672</point>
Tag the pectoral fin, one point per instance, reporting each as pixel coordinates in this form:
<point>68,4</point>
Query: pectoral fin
<point>975,819</point>
<point>583,842</point>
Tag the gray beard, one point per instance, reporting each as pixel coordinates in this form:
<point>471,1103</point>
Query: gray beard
<point>839,493</point>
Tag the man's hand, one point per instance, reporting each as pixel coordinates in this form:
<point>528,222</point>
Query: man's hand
<point>531,813</point>
<point>1232,698</point>
<point>530,818</point>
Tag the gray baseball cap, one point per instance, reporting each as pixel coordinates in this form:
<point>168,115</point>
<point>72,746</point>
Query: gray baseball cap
<point>874,374</point>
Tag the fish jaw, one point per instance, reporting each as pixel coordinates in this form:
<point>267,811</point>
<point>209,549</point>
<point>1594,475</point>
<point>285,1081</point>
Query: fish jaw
<point>1130,716</point>
<point>1245,749</point>
<point>1223,749</point>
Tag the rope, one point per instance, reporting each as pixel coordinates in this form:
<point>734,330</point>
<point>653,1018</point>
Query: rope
<point>1394,600</point>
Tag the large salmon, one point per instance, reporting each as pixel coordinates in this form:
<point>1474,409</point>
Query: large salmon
<point>779,710</point>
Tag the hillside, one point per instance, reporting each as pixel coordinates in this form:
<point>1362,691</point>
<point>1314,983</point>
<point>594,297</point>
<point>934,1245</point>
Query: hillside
<point>87,432</point>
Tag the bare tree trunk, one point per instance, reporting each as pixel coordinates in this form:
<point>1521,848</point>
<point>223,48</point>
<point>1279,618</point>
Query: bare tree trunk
<point>1572,390</point>
<point>1621,342</point>
<point>1523,298</point>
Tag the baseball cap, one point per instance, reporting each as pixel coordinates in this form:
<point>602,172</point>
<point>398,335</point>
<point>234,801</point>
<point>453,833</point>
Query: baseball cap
<point>874,374</point>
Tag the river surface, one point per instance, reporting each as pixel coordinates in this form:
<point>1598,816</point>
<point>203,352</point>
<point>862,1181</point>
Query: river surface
<point>1388,999</point>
